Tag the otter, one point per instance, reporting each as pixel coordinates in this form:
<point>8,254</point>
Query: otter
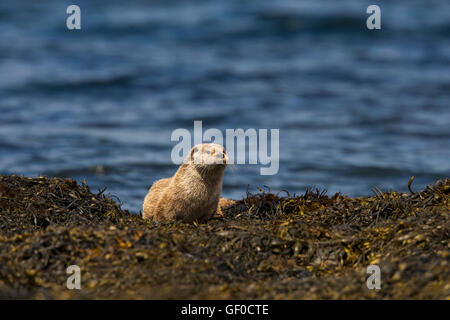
<point>193,193</point>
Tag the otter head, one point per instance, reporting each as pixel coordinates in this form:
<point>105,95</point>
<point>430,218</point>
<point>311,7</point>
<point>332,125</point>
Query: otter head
<point>208,157</point>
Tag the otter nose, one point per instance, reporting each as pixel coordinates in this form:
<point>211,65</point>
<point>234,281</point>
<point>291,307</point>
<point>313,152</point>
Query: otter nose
<point>221,158</point>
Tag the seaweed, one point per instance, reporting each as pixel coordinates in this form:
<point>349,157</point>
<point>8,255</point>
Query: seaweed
<point>265,246</point>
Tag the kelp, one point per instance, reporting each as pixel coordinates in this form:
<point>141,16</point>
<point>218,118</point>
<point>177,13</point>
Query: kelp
<point>265,246</point>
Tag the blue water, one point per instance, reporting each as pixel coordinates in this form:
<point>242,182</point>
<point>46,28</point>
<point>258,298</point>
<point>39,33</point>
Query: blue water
<point>355,108</point>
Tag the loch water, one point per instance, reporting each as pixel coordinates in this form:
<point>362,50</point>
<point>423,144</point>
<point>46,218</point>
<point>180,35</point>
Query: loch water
<point>356,108</point>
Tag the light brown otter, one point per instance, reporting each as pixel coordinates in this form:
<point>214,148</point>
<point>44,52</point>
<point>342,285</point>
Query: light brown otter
<point>193,193</point>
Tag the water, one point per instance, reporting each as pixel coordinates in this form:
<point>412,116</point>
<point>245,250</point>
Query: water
<point>355,108</point>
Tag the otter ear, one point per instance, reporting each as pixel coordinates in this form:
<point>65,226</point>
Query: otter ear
<point>191,154</point>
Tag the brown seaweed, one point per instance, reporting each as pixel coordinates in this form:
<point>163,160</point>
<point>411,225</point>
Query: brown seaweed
<point>266,246</point>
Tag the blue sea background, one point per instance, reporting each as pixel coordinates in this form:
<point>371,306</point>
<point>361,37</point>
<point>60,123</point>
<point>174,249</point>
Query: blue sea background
<point>356,108</point>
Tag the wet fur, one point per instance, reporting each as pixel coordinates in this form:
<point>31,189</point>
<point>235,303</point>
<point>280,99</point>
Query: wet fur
<point>193,193</point>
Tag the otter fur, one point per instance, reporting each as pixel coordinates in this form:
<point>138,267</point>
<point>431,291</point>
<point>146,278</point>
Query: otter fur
<point>193,193</point>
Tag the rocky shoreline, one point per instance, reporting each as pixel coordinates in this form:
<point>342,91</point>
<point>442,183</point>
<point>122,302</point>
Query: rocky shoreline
<point>266,246</point>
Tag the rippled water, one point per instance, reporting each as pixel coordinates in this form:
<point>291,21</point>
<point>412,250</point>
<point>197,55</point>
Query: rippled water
<point>355,108</point>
